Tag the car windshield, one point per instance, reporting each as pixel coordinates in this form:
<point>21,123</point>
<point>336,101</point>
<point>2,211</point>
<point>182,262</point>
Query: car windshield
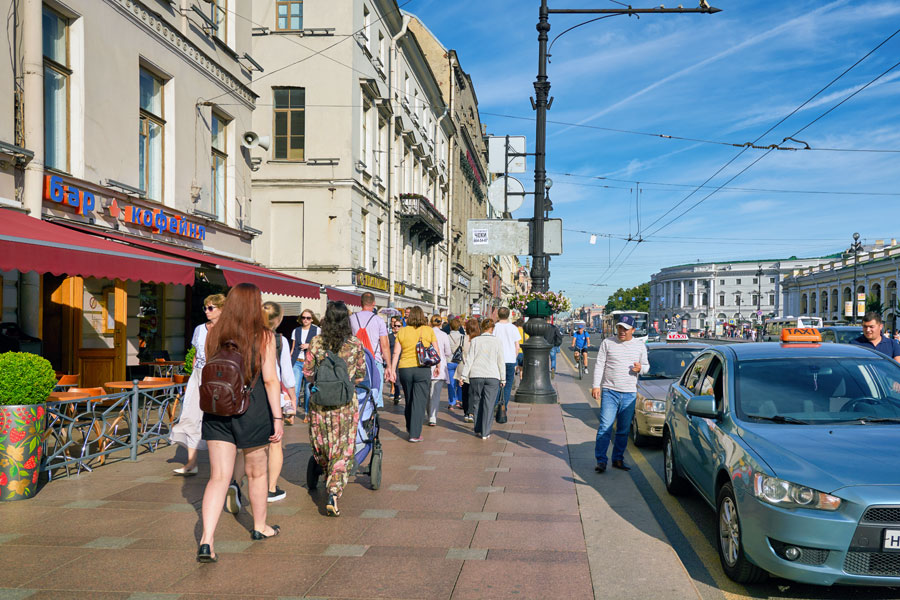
<point>669,363</point>
<point>640,325</point>
<point>818,390</point>
<point>845,336</point>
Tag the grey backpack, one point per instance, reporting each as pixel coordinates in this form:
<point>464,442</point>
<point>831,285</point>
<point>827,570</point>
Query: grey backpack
<point>332,387</point>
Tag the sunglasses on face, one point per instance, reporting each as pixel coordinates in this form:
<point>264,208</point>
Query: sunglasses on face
<point>209,308</point>
<point>306,318</point>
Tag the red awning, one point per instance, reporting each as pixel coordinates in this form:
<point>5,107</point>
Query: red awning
<point>347,298</point>
<point>235,272</point>
<point>29,244</point>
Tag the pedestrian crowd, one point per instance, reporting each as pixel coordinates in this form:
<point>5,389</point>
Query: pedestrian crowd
<point>248,382</point>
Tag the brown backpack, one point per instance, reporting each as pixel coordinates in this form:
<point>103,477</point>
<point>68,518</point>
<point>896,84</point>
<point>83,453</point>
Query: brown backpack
<point>222,391</point>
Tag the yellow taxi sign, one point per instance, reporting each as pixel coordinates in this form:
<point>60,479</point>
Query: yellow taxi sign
<point>801,334</point>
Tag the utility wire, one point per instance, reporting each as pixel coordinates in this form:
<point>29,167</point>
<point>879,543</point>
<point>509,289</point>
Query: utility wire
<point>696,140</point>
<point>765,133</point>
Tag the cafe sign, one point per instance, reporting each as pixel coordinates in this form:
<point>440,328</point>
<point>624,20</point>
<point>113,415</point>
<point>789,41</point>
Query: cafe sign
<point>367,280</point>
<point>158,221</point>
<point>55,190</point>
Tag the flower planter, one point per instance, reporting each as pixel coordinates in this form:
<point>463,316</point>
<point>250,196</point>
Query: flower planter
<point>21,435</point>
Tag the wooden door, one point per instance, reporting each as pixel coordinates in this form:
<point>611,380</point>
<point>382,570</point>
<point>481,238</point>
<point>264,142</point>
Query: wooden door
<point>103,319</point>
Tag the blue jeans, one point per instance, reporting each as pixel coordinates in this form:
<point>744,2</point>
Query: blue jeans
<point>506,390</point>
<point>301,386</point>
<point>553,352</point>
<point>615,407</point>
<point>454,389</point>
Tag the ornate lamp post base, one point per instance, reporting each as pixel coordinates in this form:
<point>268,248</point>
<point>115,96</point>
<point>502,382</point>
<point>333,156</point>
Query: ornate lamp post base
<point>535,386</point>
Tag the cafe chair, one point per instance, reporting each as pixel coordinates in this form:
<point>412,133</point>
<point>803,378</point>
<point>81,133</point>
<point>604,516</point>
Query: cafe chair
<point>68,380</point>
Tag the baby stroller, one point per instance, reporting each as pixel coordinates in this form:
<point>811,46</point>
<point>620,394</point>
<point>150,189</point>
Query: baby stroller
<point>366,434</point>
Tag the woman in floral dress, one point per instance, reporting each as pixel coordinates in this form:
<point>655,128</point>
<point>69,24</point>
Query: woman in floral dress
<point>332,431</point>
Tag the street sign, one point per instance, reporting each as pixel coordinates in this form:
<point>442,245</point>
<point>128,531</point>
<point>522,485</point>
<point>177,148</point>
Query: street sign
<point>511,237</point>
<point>759,313</point>
<point>497,153</point>
<point>512,200</point>
<point>476,310</point>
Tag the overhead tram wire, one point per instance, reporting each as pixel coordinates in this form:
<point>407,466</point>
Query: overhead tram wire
<point>765,133</point>
<point>691,139</point>
<point>742,171</point>
<point>724,189</point>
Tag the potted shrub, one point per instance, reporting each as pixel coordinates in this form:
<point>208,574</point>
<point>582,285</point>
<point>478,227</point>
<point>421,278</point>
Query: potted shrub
<point>188,366</point>
<point>25,382</point>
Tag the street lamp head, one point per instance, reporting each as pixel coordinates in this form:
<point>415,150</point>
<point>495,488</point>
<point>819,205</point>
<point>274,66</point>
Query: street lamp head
<point>855,237</point>
<point>548,183</point>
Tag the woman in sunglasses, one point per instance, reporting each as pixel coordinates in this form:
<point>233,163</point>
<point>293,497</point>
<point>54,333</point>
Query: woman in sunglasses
<point>187,431</point>
<point>300,339</point>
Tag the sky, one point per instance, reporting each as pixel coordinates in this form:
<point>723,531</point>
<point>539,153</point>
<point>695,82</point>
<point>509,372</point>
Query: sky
<point>726,78</point>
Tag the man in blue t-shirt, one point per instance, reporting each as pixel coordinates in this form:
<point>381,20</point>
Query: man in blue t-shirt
<point>580,341</point>
<point>872,337</point>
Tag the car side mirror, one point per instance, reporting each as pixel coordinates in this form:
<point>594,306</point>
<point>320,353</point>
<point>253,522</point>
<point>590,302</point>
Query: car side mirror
<point>703,407</point>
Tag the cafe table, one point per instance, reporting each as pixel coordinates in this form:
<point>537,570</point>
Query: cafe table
<point>113,386</point>
<point>163,368</point>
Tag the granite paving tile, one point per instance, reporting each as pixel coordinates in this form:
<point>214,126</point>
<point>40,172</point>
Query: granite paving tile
<point>15,572</point>
<point>101,521</point>
<point>533,503</point>
<point>389,577</point>
<point>265,574</point>
<point>480,580</point>
<point>119,570</point>
<point>162,492</point>
<point>406,551</point>
<point>539,556</point>
<point>409,532</point>
<point>529,535</point>
<point>459,500</point>
<point>73,595</point>
<point>536,463</point>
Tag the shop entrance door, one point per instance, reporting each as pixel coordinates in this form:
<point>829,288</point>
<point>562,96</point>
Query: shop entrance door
<point>99,329</point>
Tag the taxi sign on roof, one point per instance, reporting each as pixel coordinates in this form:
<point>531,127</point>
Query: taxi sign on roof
<point>798,334</point>
<point>673,336</point>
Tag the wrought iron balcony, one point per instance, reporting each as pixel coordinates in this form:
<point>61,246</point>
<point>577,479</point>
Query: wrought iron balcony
<point>423,218</point>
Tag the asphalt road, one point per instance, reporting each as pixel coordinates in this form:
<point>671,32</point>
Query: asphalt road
<point>690,525</point>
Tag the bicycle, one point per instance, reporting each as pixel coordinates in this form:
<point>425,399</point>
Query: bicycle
<point>578,366</point>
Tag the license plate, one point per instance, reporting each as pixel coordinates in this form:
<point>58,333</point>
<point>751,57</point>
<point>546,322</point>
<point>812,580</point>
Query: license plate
<point>892,540</point>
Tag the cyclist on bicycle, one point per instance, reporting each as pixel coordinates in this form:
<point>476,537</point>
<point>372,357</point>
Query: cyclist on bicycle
<point>580,341</point>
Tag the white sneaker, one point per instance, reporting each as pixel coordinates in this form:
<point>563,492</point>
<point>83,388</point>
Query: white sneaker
<point>233,499</point>
<point>585,370</point>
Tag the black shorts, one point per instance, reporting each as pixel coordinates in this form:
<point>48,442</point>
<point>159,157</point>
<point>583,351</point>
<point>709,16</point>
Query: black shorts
<point>248,430</point>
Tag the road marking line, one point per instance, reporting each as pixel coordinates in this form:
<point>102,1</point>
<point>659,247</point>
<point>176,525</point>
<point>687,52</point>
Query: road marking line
<point>705,551</point>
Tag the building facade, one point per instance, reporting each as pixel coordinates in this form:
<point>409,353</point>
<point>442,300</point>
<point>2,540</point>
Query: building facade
<point>703,295</point>
<point>826,289</point>
<point>469,176</point>
<point>130,168</point>
<point>354,190</point>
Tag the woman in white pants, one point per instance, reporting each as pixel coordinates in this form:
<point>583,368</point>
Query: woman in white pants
<point>186,432</point>
<point>439,376</point>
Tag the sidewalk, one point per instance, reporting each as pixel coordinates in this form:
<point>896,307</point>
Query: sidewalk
<point>456,517</point>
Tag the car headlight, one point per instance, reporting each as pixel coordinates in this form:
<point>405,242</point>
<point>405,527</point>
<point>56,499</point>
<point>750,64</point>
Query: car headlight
<point>657,406</point>
<point>779,492</point>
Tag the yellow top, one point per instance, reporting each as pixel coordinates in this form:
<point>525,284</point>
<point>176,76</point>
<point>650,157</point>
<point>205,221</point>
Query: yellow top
<point>522,335</point>
<point>408,338</point>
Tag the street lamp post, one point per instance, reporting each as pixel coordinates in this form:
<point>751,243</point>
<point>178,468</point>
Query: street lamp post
<point>854,248</point>
<point>759,276</point>
<point>535,385</point>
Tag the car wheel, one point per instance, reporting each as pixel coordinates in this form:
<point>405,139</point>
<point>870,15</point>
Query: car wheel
<point>731,549</point>
<point>676,484</point>
<point>637,437</point>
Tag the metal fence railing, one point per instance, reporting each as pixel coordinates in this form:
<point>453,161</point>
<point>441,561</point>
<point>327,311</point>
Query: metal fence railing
<point>82,433</point>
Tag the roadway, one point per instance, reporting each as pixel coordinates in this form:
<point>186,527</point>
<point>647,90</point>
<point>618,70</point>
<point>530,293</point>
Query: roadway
<point>690,525</point>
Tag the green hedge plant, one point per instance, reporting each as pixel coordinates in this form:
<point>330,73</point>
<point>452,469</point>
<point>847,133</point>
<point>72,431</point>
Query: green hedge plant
<point>188,367</point>
<point>25,378</point>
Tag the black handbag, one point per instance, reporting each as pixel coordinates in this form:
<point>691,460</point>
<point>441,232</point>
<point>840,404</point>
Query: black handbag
<point>500,415</point>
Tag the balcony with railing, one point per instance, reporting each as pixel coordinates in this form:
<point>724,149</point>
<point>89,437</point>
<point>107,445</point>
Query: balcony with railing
<point>423,218</point>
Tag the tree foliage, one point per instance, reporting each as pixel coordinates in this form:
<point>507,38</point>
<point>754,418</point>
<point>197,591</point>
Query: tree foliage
<point>634,298</point>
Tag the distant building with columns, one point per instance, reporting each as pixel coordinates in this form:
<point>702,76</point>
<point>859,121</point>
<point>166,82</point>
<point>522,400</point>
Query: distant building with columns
<point>701,295</point>
<point>825,289</point>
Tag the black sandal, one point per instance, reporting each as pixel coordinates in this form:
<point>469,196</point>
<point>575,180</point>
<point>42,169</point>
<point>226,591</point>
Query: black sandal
<point>205,555</point>
<point>259,535</point>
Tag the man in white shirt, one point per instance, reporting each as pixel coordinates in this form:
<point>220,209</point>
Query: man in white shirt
<point>509,337</point>
<point>620,360</point>
<point>376,330</point>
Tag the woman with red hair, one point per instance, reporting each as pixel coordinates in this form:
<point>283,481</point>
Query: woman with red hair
<point>242,324</point>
